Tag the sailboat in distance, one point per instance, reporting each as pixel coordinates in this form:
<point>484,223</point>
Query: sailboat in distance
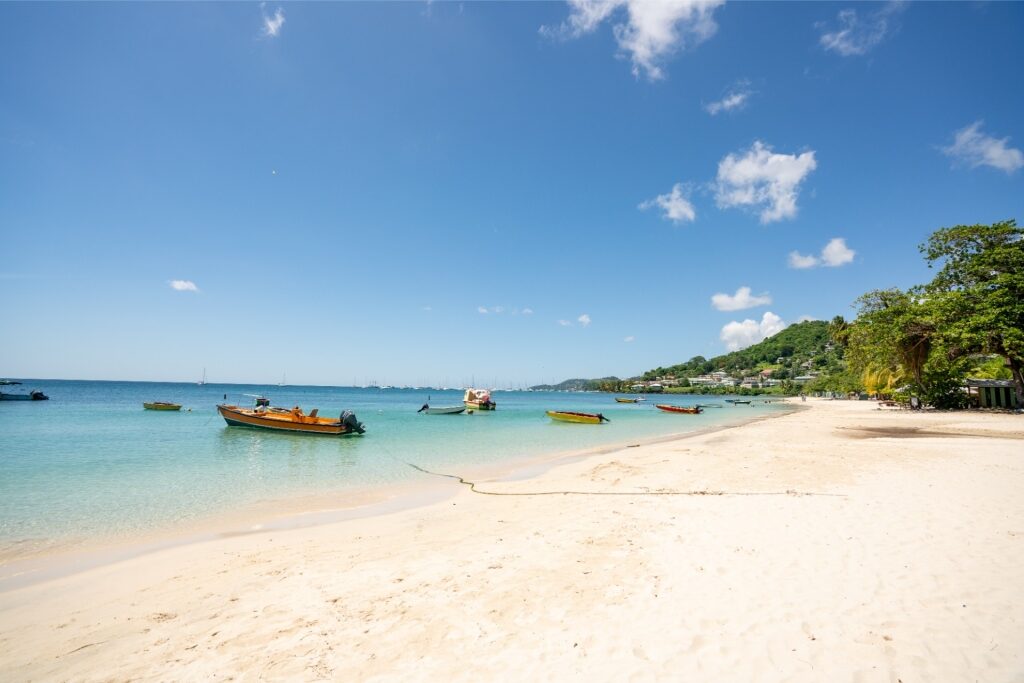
<point>203,380</point>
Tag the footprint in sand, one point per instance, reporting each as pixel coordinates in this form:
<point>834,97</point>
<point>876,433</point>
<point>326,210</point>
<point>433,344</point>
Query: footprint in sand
<point>162,616</point>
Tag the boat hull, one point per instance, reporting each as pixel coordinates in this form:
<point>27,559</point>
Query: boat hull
<point>451,410</point>
<point>161,406</point>
<point>282,422</point>
<point>34,396</point>
<point>625,400</point>
<point>678,409</point>
<point>481,405</point>
<point>579,418</point>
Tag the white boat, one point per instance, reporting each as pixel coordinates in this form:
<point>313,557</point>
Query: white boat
<point>441,410</point>
<point>203,380</point>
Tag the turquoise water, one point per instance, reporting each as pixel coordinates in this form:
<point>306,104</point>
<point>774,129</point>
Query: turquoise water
<point>91,462</point>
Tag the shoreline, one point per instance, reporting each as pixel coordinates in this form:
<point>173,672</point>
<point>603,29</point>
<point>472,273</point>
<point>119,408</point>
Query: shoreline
<point>303,511</point>
<point>910,569</point>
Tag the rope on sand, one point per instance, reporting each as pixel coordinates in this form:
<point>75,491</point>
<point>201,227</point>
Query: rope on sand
<point>473,487</point>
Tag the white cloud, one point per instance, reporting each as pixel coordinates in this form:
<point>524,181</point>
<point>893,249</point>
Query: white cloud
<point>481,309</point>
<point>735,98</point>
<point>676,207</point>
<point>527,311</point>
<point>565,323</point>
<point>836,253</point>
<point>742,299</point>
<point>629,339</point>
<point>856,35</point>
<point>974,148</point>
<point>799,261</point>
<point>272,25</point>
<point>584,320</point>
<point>498,309</point>
<point>652,30</point>
<point>833,255</point>
<point>740,335</point>
<point>183,285</point>
<point>760,177</point>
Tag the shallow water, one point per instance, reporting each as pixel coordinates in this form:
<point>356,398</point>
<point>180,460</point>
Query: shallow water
<point>91,462</point>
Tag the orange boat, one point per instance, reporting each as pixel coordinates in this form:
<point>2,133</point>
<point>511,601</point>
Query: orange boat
<point>294,420</point>
<point>678,409</point>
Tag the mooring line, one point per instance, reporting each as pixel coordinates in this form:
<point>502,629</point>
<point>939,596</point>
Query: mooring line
<point>473,487</point>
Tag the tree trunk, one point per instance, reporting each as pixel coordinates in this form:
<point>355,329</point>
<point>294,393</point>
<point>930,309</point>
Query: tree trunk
<point>1017,368</point>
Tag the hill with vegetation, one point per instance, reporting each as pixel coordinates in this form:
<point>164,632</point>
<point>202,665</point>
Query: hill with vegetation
<point>799,349</point>
<point>603,384</point>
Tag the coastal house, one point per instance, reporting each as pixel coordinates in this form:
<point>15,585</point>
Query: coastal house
<point>992,393</point>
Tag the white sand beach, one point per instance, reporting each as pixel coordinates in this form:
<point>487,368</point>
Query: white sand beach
<point>836,543</point>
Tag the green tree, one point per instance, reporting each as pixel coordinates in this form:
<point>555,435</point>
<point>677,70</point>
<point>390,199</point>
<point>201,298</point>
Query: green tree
<point>978,294</point>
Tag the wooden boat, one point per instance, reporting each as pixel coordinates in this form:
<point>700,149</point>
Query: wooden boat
<point>626,400</point>
<point>161,405</point>
<point>30,396</point>
<point>695,410</point>
<point>479,399</point>
<point>583,418</point>
<point>442,410</point>
<point>290,420</point>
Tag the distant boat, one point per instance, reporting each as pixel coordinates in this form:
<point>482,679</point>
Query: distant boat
<point>626,400</point>
<point>203,380</point>
<point>582,418</point>
<point>737,402</point>
<point>161,405</point>
<point>479,399</point>
<point>443,410</point>
<point>30,396</point>
<point>290,420</point>
<point>284,380</point>
<point>695,410</point>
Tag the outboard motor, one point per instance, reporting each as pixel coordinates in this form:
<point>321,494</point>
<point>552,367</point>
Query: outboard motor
<point>348,418</point>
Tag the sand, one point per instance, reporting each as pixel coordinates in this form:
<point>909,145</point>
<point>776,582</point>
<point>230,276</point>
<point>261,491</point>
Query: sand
<point>837,543</point>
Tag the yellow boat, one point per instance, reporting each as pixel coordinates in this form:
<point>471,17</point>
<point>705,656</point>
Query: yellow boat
<point>582,418</point>
<point>626,400</point>
<point>290,420</point>
<point>161,405</point>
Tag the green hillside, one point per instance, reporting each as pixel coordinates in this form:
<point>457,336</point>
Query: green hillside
<point>603,384</point>
<point>798,349</point>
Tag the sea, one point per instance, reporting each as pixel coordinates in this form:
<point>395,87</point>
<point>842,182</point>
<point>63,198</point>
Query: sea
<point>91,463</point>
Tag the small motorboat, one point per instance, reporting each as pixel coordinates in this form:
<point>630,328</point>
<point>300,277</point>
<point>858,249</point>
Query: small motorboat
<point>161,405</point>
<point>264,416</point>
<point>689,410</point>
<point>739,403</point>
<point>442,410</point>
<point>619,399</point>
<point>30,396</point>
<point>582,418</point>
<point>709,405</point>
<point>479,399</point>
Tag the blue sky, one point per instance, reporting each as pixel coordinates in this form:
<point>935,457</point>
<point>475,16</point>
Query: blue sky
<point>348,186</point>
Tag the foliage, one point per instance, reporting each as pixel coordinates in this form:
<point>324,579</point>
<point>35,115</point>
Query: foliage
<point>978,293</point>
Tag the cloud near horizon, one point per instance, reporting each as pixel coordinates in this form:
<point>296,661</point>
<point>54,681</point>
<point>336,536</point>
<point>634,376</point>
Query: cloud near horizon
<point>629,339</point>
<point>675,206</point>
<point>856,35</point>
<point>740,300</point>
<point>762,178</point>
<point>974,148</point>
<point>183,285</point>
<point>833,255</point>
<point>739,335</point>
<point>652,32</point>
